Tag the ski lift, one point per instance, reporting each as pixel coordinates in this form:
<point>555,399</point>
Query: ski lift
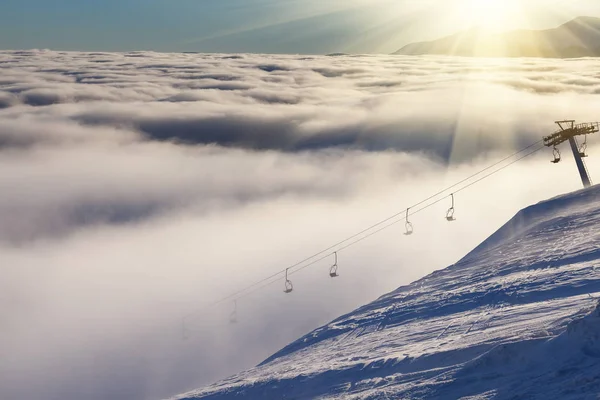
<point>333,270</point>
<point>408,225</point>
<point>450,212</point>
<point>184,330</point>
<point>583,147</point>
<point>233,315</point>
<point>556,154</point>
<point>288,284</point>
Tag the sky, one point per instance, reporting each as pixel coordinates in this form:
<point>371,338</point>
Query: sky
<point>138,188</point>
<point>265,26</point>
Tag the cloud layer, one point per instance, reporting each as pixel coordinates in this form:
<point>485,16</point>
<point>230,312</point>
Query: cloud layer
<point>289,103</point>
<point>138,187</point>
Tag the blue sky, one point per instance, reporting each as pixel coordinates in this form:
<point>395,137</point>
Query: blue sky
<point>270,26</point>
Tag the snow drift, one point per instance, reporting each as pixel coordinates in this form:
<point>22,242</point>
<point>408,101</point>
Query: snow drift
<point>515,317</point>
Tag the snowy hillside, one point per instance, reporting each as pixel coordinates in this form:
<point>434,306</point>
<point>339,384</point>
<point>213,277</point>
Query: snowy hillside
<point>515,318</point>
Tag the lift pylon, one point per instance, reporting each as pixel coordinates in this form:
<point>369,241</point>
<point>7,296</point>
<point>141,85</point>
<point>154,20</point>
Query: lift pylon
<point>568,130</point>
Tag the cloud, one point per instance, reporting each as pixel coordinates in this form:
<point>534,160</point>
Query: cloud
<point>7,100</point>
<point>284,103</point>
<point>138,187</point>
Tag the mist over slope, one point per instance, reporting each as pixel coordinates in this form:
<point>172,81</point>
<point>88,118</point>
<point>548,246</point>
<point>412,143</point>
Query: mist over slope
<point>514,317</point>
<point>140,187</point>
<point>577,38</point>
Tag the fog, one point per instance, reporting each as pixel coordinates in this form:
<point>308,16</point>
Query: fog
<point>140,188</point>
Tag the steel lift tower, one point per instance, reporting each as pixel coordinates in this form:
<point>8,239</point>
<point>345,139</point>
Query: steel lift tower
<point>568,131</point>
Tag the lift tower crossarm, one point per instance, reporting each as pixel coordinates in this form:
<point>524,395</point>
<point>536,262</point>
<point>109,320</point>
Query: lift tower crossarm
<point>568,131</point>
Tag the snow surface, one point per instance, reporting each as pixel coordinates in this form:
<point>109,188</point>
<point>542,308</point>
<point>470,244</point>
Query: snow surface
<point>516,318</point>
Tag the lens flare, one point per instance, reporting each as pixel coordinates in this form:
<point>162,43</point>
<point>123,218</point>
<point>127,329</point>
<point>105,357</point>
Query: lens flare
<point>492,14</point>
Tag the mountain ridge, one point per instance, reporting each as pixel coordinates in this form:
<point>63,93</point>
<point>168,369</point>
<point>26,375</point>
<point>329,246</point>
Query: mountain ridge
<point>579,37</point>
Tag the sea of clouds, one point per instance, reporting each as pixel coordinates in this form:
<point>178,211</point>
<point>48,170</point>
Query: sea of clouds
<point>137,188</point>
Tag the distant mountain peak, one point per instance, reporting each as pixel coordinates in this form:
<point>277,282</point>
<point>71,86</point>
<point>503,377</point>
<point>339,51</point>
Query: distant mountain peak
<point>586,19</point>
<point>588,22</point>
<point>579,37</point>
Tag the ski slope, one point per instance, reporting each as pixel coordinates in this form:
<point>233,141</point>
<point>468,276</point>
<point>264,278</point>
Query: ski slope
<point>516,318</point>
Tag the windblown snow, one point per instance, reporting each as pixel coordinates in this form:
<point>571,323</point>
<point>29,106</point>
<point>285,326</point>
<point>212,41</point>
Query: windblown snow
<point>515,318</point>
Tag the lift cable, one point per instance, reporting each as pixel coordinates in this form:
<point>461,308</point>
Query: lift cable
<point>364,234</point>
<point>390,224</point>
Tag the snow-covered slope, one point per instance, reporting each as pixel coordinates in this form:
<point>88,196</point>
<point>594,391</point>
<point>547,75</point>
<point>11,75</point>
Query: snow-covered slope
<point>515,318</point>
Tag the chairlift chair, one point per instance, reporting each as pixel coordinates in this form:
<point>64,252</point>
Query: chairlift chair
<point>583,147</point>
<point>409,226</point>
<point>233,315</point>
<point>289,288</point>
<point>184,330</point>
<point>556,154</point>
<point>450,212</point>
<point>333,270</point>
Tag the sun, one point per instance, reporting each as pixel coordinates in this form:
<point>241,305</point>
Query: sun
<point>494,15</point>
